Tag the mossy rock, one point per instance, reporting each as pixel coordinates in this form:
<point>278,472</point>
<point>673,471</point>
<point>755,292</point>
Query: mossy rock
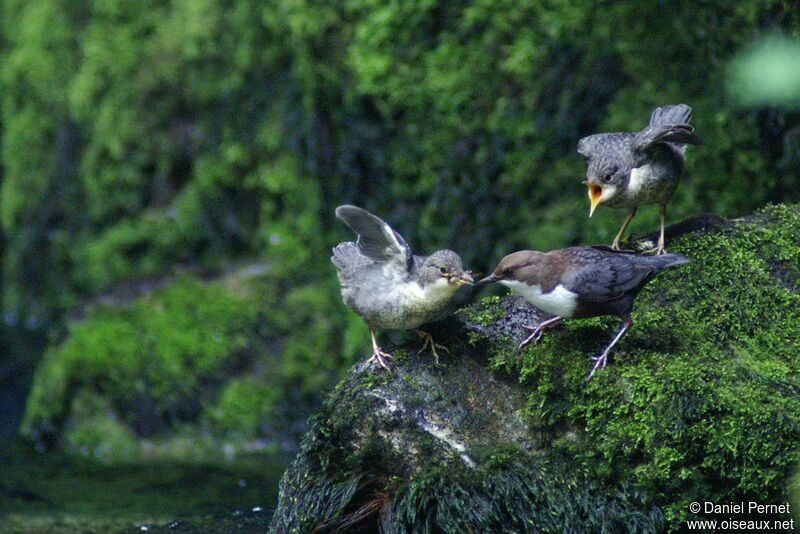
<point>188,362</point>
<point>702,403</point>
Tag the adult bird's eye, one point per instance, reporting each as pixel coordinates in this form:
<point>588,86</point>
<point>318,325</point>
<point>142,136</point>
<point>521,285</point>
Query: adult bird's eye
<point>508,272</point>
<point>442,270</point>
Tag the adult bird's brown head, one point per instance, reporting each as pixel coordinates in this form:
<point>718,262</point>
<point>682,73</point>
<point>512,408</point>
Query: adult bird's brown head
<point>522,266</point>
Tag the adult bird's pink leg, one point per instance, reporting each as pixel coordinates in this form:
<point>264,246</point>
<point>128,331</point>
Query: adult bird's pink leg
<point>601,361</point>
<point>538,331</point>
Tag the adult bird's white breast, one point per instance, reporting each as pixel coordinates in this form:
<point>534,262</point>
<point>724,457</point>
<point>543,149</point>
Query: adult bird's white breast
<point>560,301</point>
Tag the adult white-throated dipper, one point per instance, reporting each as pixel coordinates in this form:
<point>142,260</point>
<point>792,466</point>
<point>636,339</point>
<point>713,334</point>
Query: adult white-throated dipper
<point>387,285</point>
<point>627,170</point>
<point>580,282</point>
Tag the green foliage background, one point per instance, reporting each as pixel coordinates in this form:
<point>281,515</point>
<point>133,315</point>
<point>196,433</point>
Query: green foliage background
<point>143,138</point>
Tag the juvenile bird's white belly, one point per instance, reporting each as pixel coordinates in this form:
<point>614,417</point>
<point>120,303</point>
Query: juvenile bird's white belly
<point>650,183</point>
<point>639,179</point>
<point>560,301</point>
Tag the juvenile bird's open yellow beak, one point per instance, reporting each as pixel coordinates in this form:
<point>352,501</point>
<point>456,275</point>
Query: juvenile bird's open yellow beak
<point>595,194</point>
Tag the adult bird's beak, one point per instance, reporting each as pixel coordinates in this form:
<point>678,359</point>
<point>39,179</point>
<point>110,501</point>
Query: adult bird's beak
<point>488,280</point>
<point>595,194</point>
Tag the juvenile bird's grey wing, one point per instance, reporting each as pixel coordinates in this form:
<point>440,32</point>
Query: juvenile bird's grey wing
<point>668,124</point>
<point>376,239</point>
<point>602,276</point>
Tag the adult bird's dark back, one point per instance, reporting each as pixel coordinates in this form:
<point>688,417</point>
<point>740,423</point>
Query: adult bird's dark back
<point>580,282</point>
<point>389,286</point>
<point>627,170</point>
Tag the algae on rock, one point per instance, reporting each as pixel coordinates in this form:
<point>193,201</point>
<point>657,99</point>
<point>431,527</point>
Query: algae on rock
<point>183,368</point>
<point>701,403</point>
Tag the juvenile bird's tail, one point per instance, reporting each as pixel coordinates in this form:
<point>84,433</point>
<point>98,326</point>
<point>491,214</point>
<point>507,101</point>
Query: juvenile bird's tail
<point>346,256</point>
<point>668,124</point>
<point>671,115</point>
<point>665,261</point>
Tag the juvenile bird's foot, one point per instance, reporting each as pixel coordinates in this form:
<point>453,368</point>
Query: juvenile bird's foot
<point>380,357</point>
<point>657,251</point>
<point>377,353</point>
<point>432,344</point>
<point>538,331</point>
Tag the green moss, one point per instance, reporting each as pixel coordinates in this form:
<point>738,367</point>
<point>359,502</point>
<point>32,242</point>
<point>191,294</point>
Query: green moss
<point>94,431</point>
<point>703,398</point>
<point>516,494</point>
<point>245,406</point>
<point>157,364</point>
<point>702,402</point>
<point>485,312</point>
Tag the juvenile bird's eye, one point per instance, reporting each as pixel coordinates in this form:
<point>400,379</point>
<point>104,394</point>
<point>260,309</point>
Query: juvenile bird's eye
<point>607,178</point>
<point>442,270</point>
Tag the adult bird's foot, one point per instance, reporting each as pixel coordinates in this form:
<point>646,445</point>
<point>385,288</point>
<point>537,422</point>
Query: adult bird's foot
<point>534,338</point>
<point>380,357</point>
<point>600,362</point>
<point>429,342</point>
<point>538,331</point>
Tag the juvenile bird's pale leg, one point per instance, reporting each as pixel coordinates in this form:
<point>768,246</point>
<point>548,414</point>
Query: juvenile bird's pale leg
<point>601,361</point>
<point>625,223</point>
<point>659,250</point>
<point>663,213</point>
<point>538,331</point>
<point>430,343</point>
<point>377,354</point>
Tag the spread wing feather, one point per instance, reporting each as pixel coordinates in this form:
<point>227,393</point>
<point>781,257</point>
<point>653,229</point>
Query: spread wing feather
<point>376,239</point>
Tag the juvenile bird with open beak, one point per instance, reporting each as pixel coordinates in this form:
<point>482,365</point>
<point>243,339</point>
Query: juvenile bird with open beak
<point>389,286</point>
<point>580,282</point>
<point>627,170</point>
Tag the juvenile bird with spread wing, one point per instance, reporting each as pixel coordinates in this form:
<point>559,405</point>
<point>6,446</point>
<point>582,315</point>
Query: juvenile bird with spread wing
<point>389,286</point>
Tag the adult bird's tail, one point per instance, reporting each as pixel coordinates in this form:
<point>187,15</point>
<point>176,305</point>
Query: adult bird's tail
<point>665,261</point>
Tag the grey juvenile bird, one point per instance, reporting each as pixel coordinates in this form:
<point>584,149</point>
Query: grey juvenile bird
<point>580,282</point>
<point>387,285</point>
<point>627,170</point>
